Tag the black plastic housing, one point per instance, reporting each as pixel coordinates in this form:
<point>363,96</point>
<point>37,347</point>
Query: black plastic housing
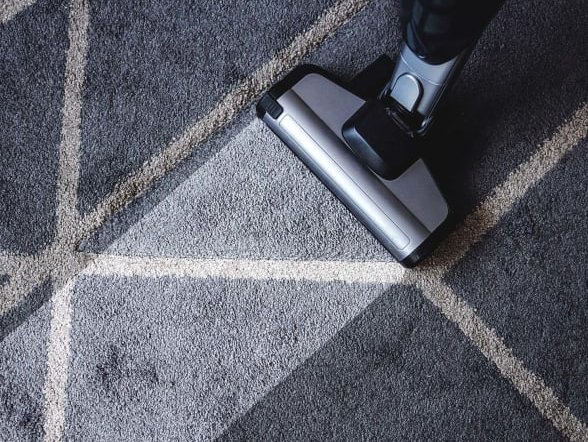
<point>379,142</point>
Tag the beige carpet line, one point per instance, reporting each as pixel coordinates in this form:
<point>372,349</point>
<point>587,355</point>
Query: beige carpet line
<point>9,8</point>
<point>58,358</point>
<point>69,148</point>
<point>224,112</point>
<point>491,345</point>
<point>63,259</point>
<point>323,271</point>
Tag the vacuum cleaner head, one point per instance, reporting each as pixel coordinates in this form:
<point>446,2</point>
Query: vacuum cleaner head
<point>352,144</point>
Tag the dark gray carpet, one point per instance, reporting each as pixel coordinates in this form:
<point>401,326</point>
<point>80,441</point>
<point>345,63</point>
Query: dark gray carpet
<point>31,90</point>
<point>162,354</point>
<point>396,372</point>
<point>535,294</point>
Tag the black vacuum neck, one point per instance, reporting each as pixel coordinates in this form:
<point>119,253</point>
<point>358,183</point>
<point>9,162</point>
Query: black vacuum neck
<point>439,30</point>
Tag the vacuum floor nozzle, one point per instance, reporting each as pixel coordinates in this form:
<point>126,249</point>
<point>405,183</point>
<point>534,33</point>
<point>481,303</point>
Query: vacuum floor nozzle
<point>354,146</point>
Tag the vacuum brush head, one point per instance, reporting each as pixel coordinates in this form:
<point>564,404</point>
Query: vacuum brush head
<point>367,162</point>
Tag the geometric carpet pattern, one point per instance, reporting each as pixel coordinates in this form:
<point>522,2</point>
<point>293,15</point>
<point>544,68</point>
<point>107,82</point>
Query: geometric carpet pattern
<point>170,271</point>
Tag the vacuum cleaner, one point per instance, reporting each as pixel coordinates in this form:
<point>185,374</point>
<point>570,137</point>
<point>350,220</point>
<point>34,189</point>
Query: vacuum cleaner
<point>364,139</point>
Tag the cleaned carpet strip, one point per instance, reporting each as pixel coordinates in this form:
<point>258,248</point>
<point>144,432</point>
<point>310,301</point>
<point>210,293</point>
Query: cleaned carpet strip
<point>287,215</point>
<point>240,96</point>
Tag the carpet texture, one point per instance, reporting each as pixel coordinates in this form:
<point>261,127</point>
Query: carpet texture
<point>170,271</point>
